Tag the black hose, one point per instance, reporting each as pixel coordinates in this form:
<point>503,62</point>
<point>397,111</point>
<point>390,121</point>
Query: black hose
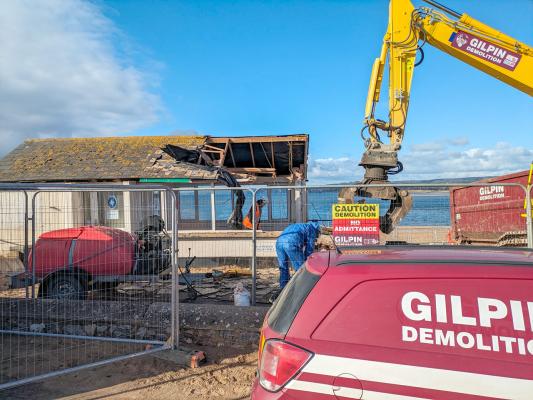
<point>421,56</point>
<point>399,168</point>
<point>189,284</point>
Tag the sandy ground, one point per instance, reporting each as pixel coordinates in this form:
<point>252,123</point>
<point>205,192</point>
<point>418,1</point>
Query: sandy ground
<point>227,376</point>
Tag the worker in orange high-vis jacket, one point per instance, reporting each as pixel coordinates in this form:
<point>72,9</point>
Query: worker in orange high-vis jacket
<point>247,222</point>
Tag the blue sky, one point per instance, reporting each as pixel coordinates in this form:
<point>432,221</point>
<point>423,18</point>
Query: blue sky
<point>234,68</point>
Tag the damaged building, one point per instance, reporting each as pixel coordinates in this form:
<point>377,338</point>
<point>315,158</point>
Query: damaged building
<point>176,161</point>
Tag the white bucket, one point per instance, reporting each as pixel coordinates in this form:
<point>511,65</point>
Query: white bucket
<point>241,296</point>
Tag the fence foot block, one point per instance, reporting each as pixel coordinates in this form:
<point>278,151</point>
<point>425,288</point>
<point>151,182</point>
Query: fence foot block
<point>183,357</point>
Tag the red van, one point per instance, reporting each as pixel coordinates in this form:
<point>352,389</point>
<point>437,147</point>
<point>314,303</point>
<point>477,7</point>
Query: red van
<point>402,323</point>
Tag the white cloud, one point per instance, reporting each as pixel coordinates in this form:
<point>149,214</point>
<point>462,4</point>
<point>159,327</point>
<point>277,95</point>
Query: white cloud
<point>459,141</point>
<point>62,74</point>
<point>333,170</point>
<point>432,160</point>
<point>430,147</point>
<point>500,159</point>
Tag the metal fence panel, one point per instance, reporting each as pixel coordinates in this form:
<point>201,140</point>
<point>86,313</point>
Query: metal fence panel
<point>214,249</point>
<point>473,214</point>
<point>216,243</point>
<point>14,240</point>
<point>54,323</point>
<point>99,281</point>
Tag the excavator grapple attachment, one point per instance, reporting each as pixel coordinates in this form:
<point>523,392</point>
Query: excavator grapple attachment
<point>398,208</point>
<point>400,201</point>
<point>379,161</point>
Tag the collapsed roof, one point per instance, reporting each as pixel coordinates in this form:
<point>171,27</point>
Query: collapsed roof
<point>252,159</point>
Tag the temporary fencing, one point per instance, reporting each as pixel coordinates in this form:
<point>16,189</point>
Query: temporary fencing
<point>428,221</point>
<point>89,274</point>
<point>88,277</point>
<point>454,214</point>
<point>216,253</point>
<point>214,242</point>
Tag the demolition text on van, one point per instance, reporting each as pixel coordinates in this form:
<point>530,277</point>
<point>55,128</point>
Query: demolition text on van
<point>417,306</point>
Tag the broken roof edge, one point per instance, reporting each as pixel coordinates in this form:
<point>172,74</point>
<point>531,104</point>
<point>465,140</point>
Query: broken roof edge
<point>294,137</point>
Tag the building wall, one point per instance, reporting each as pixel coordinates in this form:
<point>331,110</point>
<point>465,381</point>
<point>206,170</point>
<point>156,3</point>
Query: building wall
<point>12,216</point>
<point>59,210</point>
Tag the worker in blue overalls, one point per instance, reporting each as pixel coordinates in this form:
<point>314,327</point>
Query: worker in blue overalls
<point>295,244</point>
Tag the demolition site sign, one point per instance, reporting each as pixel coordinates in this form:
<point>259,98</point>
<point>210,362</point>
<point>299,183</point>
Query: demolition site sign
<point>355,224</point>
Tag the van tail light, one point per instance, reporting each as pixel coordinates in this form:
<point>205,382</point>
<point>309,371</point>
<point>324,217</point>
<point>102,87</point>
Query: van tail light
<point>280,362</point>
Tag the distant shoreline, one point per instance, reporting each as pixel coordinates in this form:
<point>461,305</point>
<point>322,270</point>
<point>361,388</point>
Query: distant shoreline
<point>422,182</point>
<point>437,192</point>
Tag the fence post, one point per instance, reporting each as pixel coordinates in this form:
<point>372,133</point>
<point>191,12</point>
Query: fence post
<point>254,246</point>
<point>529,218</point>
<point>213,211</point>
<point>26,243</point>
<point>33,232</point>
<point>175,307</point>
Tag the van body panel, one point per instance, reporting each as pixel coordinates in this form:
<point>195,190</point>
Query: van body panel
<point>417,323</point>
<point>480,326</point>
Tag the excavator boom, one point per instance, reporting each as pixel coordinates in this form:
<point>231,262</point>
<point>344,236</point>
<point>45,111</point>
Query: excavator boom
<point>409,29</point>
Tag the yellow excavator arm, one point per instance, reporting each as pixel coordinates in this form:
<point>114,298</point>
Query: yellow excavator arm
<point>409,29</point>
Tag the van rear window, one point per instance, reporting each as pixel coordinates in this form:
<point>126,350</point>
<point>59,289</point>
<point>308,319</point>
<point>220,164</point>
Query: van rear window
<point>290,300</point>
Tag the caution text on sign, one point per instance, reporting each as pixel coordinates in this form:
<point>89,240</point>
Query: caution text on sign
<point>355,224</point>
<point>355,211</point>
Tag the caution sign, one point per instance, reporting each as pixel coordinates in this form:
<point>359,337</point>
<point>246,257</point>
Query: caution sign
<point>355,224</point>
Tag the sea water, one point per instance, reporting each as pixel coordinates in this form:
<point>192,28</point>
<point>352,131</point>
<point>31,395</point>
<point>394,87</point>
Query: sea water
<point>429,208</point>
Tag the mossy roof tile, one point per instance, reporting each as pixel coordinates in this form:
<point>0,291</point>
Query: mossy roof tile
<point>108,158</point>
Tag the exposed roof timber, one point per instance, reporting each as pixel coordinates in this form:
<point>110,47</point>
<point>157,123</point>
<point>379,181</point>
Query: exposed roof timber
<point>254,170</point>
<point>304,165</point>
<point>272,153</point>
<point>252,154</point>
<point>264,152</point>
<point>223,155</point>
<point>256,139</point>
<point>285,154</point>
<point>211,149</point>
<point>205,157</point>
<point>231,153</point>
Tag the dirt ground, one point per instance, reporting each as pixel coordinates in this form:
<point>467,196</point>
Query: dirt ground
<point>226,376</point>
<point>207,289</point>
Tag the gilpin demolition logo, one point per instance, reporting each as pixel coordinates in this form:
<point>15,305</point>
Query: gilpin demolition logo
<point>485,50</point>
<point>486,331</point>
<point>355,224</point>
